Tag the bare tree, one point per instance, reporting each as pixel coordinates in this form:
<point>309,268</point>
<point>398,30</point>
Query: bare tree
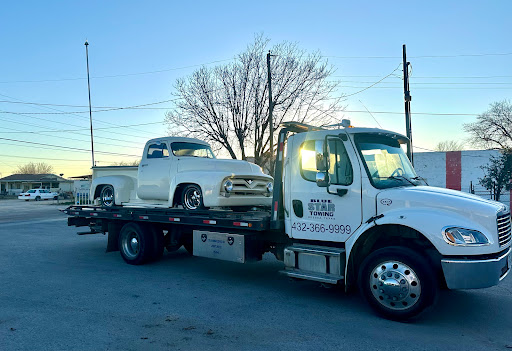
<point>34,168</point>
<point>228,105</point>
<point>493,128</point>
<point>450,145</point>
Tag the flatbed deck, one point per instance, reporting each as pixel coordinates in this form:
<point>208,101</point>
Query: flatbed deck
<point>250,220</point>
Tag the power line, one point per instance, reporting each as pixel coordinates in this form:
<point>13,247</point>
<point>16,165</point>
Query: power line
<point>423,56</point>
<point>73,113</point>
<point>115,75</point>
<point>377,82</point>
<point>45,158</point>
<point>83,106</point>
<point>43,119</point>
<point>76,130</point>
<point>66,148</point>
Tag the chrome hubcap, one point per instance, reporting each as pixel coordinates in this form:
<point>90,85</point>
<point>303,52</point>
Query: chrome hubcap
<point>107,196</point>
<point>131,245</point>
<point>192,199</point>
<point>395,285</point>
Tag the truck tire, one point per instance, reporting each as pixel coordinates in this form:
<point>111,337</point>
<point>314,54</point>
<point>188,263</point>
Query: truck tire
<point>398,283</point>
<point>107,197</point>
<point>136,243</point>
<point>192,197</point>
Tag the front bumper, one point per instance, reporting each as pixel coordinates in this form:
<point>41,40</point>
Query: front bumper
<point>476,273</point>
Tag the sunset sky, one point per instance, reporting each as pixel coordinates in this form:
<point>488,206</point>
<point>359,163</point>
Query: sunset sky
<point>460,52</point>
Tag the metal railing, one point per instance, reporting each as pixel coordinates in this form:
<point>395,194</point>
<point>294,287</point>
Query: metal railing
<point>83,199</point>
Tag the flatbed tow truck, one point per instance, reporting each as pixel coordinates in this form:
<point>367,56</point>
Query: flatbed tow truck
<point>347,209</point>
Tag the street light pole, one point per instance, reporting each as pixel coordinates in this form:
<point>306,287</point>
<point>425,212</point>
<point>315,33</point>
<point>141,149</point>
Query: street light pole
<point>90,109</point>
<point>270,112</point>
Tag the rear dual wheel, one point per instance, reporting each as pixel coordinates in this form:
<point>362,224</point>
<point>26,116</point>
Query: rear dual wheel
<point>139,243</point>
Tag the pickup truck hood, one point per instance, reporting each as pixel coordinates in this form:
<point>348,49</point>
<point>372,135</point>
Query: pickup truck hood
<point>470,206</point>
<point>236,167</point>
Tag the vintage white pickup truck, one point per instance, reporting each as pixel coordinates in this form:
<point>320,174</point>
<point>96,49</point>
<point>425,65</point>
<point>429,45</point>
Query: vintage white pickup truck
<point>177,171</point>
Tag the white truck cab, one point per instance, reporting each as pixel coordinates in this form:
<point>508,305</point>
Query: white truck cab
<point>356,187</point>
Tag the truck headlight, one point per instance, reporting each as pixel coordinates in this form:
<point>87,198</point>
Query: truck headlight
<point>228,186</point>
<point>464,237</point>
<point>270,187</point>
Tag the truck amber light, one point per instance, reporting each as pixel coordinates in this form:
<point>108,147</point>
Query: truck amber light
<point>464,237</point>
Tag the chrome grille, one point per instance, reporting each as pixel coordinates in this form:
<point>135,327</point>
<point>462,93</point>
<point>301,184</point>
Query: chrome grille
<point>247,186</point>
<point>503,222</point>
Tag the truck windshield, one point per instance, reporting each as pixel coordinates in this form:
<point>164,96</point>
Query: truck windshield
<point>386,163</point>
<point>192,150</point>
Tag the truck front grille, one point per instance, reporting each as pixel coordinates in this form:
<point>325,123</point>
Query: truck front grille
<point>249,186</point>
<point>503,221</point>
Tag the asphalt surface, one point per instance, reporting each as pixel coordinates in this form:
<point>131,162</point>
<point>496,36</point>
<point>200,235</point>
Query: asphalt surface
<point>60,291</point>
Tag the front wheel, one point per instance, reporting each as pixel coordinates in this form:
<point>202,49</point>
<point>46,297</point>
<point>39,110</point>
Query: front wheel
<point>398,283</point>
<point>38,198</point>
<point>192,197</point>
<point>107,196</point>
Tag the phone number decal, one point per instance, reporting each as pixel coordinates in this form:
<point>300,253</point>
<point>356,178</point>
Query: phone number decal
<point>322,228</point>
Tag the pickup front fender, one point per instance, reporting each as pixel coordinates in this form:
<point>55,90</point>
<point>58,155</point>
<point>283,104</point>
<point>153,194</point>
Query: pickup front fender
<point>123,186</point>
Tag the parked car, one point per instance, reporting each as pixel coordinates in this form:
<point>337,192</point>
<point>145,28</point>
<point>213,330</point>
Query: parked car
<point>38,194</point>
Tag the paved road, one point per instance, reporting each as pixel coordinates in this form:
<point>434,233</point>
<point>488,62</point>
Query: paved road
<point>60,291</point>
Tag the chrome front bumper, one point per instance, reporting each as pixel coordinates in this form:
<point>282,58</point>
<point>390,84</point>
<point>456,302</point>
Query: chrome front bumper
<point>476,273</point>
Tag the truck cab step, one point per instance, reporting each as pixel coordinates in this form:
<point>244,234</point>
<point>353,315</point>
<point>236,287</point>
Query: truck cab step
<point>319,263</point>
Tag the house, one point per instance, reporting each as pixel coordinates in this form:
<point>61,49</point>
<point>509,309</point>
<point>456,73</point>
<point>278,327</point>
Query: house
<point>18,183</point>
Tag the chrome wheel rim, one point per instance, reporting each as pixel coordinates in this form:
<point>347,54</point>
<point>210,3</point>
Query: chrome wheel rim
<point>192,198</point>
<point>395,285</point>
<point>107,196</point>
<point>131,245</point>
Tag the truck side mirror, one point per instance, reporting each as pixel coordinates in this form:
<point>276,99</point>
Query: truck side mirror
<point>322,179</point>
<point>321,161</point>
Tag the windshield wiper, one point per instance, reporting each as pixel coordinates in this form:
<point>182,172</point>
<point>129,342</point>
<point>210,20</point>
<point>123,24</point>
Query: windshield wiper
<point>420,178</point>
<point>399,177</point>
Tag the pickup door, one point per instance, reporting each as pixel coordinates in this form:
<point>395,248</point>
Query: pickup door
<point>155,171</point>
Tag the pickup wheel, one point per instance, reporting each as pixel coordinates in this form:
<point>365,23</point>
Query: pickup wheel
<point>398,283</point>
<point>107,196</point>
<point>192,197</point>
<point>136,244</point>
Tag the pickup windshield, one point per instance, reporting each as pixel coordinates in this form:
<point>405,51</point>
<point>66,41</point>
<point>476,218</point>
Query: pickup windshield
<point>386,163</point>
<point>192,150</point>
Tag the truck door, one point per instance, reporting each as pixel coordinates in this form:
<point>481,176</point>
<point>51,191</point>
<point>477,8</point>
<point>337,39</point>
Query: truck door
<point>320,213</point>
<point>154,173</point>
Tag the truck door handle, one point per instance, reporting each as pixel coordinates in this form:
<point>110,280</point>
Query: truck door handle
<point>144,165</point>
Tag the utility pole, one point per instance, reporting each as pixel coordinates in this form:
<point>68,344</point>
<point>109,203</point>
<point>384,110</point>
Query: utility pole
<point>407,98</point>
<point>90,109</point>
<point>270,117</point>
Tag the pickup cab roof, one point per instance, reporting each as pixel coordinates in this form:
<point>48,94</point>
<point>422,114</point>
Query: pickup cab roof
<point>170,139</point>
